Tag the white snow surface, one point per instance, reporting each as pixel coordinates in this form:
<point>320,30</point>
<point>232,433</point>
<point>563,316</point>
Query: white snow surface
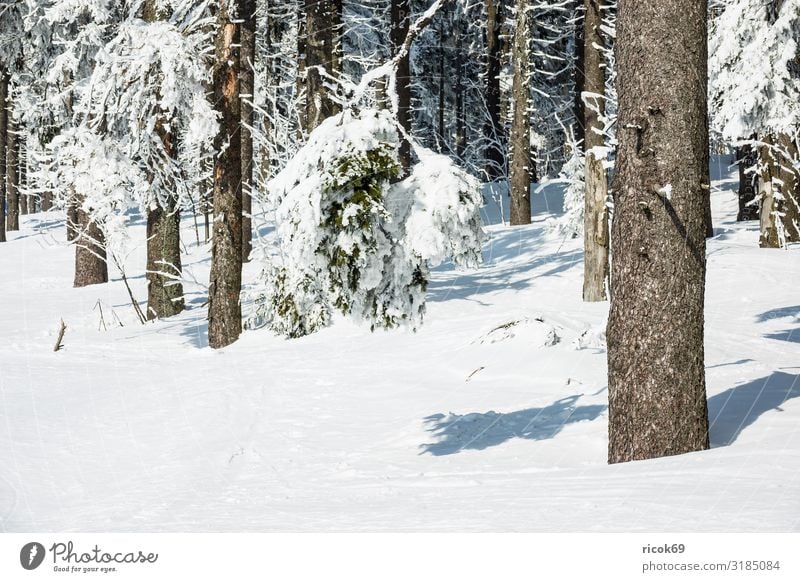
<point>491,417</point>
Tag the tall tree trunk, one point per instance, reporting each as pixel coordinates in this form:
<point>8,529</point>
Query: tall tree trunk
<point>595,239</point>
<point>746,157</point>
<point>780,196</point>
<point>656,377</point>
<point>323,61</point>
<point>400,15</point>
<point>580,78</point>
<point>493,130</point>
<point>164,287</point>
<point>520,180</point>
<point>91,267</point>
<point>12,169</point>
<point>790,188</point>
<point>247,57</point>
<point>769,223</point>
<point>224,308</point>
<point>26,204</point>
<point>440,137</point>
<point>461,129</point>
<point>3,138</point>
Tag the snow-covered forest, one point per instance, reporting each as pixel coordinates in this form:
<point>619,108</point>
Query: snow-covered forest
<point>404,265</point>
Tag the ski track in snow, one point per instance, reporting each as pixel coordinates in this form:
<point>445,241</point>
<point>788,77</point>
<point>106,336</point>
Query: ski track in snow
<point>480,421</point>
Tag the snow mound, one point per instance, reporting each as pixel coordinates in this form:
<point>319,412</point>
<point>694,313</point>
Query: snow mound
<point>530,330</point>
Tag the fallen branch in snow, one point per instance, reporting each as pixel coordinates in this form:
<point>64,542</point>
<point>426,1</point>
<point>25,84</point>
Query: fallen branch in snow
<point>61,331</point>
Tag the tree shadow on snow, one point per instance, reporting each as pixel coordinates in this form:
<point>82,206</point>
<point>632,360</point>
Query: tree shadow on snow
<point>786,335</point>
<point>732,411</point>
<point>456,432</point>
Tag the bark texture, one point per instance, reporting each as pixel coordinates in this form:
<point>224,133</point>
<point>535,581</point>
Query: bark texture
<point>90,252</point>
<point>595,231</point>
<point>323,59</point>
<point>3,132</point>
<point>520,179</point>
<point>493,131</point>
<point>400,14</point>
<point>247,57</point>
<point>224,308</point>
<point>779,196</point>
<point>657,397</point>
<point>164,287</point>
<point>790,188</point>
<point>12,172</point>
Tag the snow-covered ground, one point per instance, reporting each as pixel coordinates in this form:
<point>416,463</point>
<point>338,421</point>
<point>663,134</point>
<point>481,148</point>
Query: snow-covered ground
<point>492,417</point>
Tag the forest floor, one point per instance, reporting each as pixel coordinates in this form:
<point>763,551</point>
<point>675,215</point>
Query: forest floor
<point>491,417</point>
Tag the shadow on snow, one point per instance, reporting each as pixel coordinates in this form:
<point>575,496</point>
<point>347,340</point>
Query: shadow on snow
<point>729,413</point>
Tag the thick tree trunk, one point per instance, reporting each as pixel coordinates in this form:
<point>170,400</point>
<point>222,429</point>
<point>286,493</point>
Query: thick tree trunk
<point>247,57</point>
<point>12,173</point>
<point>164,269</point>
<point>400,15</point>
<point>769,224</point>
<point>790,188</point>
<point>595,243</point>
<point>780,192</point>
<point>657,397</point>
<point>520,179</point>
<point>164,287</point>
<point>224,308</point>
<point>3,138</point>
<point>91,267</point>
<point>323,59</point>
<point>493,130</point>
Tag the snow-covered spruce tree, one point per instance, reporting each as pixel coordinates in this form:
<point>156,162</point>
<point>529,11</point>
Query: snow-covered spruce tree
<point>144,100</point>
<point>755,90</point>
<point>80,28</point>
<point>353,239</point>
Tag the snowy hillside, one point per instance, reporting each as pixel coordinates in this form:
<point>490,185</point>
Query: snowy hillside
<point>492,417</point>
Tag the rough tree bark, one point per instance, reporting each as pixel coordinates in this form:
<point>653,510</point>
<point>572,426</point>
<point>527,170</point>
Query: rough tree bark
<point>595,231</point>
<point>224,308</point>
<point>247,56</point>
<point>580,44</point>
<point>323,59</point>
<point>790,188</point>
<point>746,157</point>
<point>25,203</point>
<point>657,397</point>
<point>461,126</point>
<point>520,179</point>
<point>91,267</point>
<point>164,287</point>
<point>493,130</point>
<point>779,212</point>
<point>12,168</point>
<point>3,137</point>
<point>400,15</point>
